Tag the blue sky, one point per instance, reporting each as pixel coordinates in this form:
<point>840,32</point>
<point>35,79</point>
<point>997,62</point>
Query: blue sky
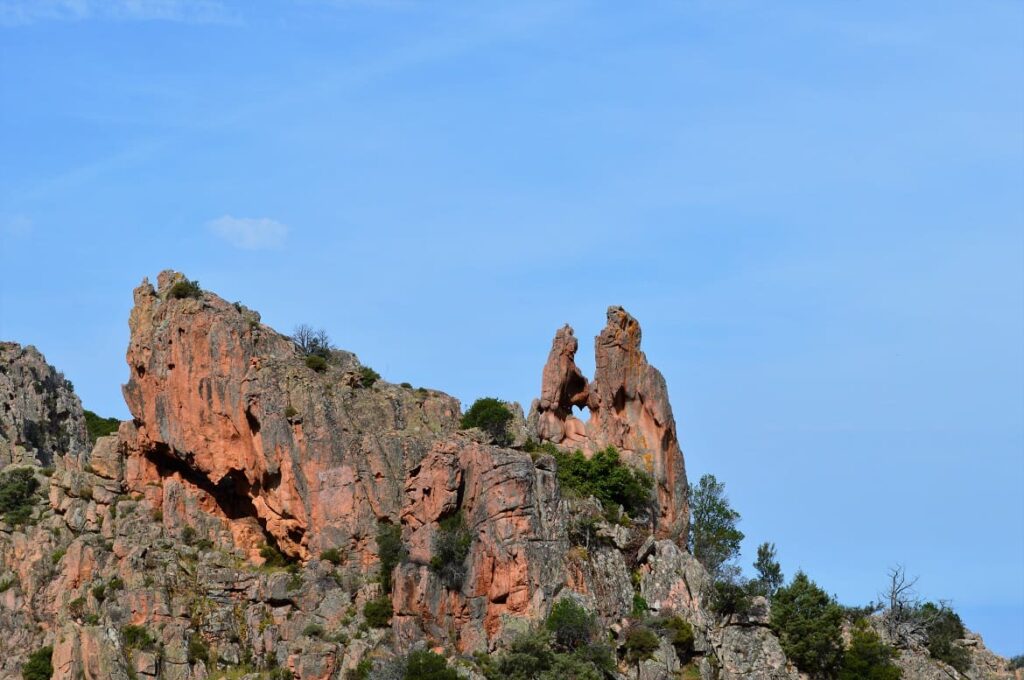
<point>815,209</point>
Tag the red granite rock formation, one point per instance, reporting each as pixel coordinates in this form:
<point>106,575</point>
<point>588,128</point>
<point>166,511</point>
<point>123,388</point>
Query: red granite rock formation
<point>227,407</point>
<point>629,409</point>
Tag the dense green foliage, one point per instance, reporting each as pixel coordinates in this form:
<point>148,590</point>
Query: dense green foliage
<point>136,637</point>
<point>198,650</point>
<point>730,596</point>
<point>641,643</point>
<point>378,612</point>
<point>944,630</point>
<point>272,556</point>
<point>565,648</point>
<point>450,550</point>
<point>809,625</point>
<point>571,625</point>
<point>98,426</point>
<point>491,416</point>
<point>713,539</point>
<point>17,486</point>
<point>530,656</point>
<point>391,551</point>
<point>368,376</point>
<point>678,632</point>
<point>605,477</point>
<point>361,671</point>
<point>186,289</point>
<point>332,555</point>
<point>867,657</point>
<point>39,665</point>
<point>769,571</point>
<point>316,362</point>
<point>424,664</point>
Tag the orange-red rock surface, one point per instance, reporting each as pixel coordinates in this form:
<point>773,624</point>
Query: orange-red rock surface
<point>629,409</point>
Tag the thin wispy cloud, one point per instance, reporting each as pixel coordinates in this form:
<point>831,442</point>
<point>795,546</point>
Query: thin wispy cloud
<point>249,233</point>
<point>19,12</point>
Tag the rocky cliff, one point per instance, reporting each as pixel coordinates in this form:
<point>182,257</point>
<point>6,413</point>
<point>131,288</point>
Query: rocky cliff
<point>629,409</point>
<point>41,418</point>
<point>236,526</point>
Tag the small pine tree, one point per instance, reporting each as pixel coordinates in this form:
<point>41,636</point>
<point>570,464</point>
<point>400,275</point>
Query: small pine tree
<point>570,624</point>
<point>809,624</point>
<point>714,539</point>
<point>769,571</point>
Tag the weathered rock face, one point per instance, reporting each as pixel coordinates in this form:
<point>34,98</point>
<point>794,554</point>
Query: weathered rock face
<point>139,559</point>
<point>41,418</point>
<point>629,409</point>
<point>227,405</point>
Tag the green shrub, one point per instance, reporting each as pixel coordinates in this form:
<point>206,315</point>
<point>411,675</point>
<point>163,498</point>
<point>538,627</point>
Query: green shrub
<point>450,549</point>
<point>406,385</point>
<point>641,643</point>
<point>361,671</point>
<point>491,416</point>
<point>527,657</point>
<point>679,633</point>
<point>713,539</point>
<point>332,555</point>
<point>605,477</point>
<point>314,630</point>
<point>136,637</point>
<point>272,556</point>
<point>867,657</point>
<point>530,657</point>
<point>188,535</point>
<point>290,411</point>
<point>316,362</point>
<point>39,665</point>
<point>391,551</point>
<point>570,624</point>
<point>640,606</point>
<point>809,624</point>
<point>6,583</point>
<point>1016,662</point>
<point>730,597</point>
<point>198,650</point>
<point>368,376</point>
<point>944,630</point>
<point>17,487</point>
<point>57,555</point>
<point>424,664</point>
<point>378,612</point>
<point>98,426</point>
<point>185,289</point>
<point>99,592</point>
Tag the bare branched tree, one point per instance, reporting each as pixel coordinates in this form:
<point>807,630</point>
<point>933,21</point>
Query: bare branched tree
<point>906,619</point>
<point>312,342</point>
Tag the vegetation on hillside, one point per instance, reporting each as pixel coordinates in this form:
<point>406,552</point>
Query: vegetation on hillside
<point>17,487</point>
<point>98,426</point>
<point>492,416</point>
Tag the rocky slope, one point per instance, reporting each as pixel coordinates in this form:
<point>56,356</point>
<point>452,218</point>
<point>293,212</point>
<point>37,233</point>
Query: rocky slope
<point>232,525</point>
<point>41,418</point>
